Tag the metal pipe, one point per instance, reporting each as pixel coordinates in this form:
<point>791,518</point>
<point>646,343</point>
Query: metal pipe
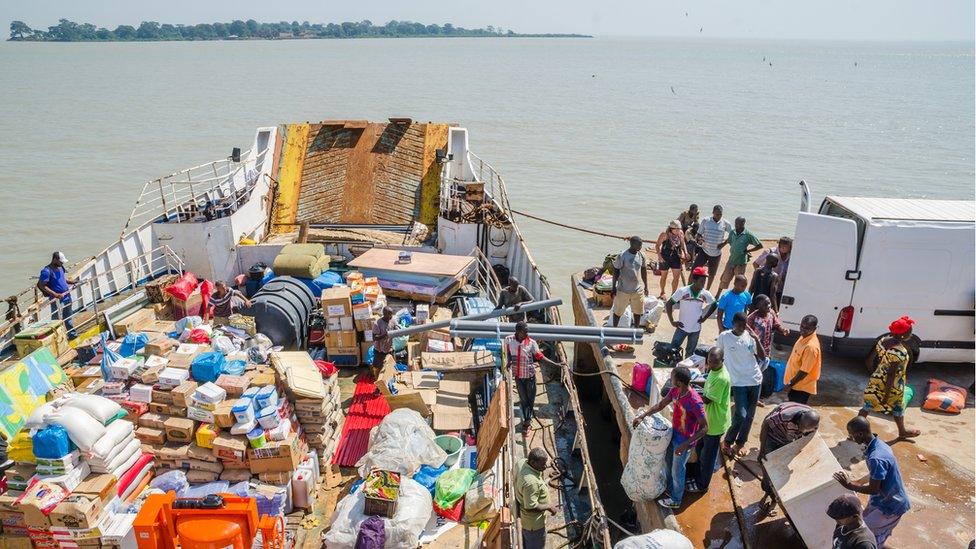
<point>462,324</point>
<point>573,338</point>
<point>534,306</point>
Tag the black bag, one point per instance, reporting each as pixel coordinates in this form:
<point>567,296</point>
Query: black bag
<point>768,382</point>
<point>667,353</point>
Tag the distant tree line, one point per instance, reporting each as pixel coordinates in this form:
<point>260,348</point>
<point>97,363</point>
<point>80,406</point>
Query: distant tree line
<point>69,31</point>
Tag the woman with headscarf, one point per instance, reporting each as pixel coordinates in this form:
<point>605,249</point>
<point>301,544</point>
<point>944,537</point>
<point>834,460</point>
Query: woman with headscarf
<point>671,254</point>
<point>885,392</point>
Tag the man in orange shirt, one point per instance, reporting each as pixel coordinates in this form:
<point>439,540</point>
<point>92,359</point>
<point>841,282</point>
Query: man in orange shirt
<point>803,367</point>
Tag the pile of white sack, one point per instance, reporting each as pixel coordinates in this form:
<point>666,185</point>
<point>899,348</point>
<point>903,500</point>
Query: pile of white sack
<point>644,478</point>
<point>116,451</point>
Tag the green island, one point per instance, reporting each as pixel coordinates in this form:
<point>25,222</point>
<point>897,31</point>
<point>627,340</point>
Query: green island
<point>151,31</point>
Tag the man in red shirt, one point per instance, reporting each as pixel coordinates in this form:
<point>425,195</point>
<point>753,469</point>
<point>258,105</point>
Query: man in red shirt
<point>523,352</point>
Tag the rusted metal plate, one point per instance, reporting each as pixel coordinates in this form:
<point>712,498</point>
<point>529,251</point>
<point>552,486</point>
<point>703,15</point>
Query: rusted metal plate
<point>369,174</point>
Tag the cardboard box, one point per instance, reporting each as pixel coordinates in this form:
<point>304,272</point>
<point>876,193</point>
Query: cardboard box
<point>199,414</point>
<point>141,393</point>
<point>190,307</point>
<point>134,322</point>
<point>153,361</point>
<point>158,408</point>
<point>346,324</point>
<point>350,354</point>
<point>16,518</point>
<point>179,429</point>
<point>181,394</point>
<point>415,390</point>
<point>51,334</point>
<point>172,377</point>
<point>152,420</point>
<point>452,411</point>
<point>148,375</point>
<point>162,396</point>
<point>183,356</point>
<point>223,415</point>
<point>123,368</point>
<point>229,447</point>
<point>336,301</point>
<point>77,511</point>
<point>100,485</point>
<point>462,360</point>
<point>284,455</point>
<point>148,435</point>
<point>161,346</point>
<point>342,338</point>
<point>362,311</point>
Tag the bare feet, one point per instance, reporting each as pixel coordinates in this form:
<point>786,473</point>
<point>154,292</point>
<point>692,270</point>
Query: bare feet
<point>909,433</point>
<point>760,403</point>
<point>737,449</point>
<point>727,450</point>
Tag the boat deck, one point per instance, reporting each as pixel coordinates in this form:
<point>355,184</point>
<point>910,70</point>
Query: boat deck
<point>938,467</point>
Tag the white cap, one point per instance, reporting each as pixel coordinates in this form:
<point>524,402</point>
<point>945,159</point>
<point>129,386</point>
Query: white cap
<point>61,257</point>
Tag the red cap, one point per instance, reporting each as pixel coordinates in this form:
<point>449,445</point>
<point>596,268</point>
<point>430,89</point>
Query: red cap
<point>700,271</point>
<point>901,326</point>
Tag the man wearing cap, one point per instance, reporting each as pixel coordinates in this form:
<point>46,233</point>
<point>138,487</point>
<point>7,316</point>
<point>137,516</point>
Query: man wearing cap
<point>695,305</point>
<point>629,281</point>
<point>888,500</point>
<point>850,532</point>
<point>885,392</point>
<point>55,284</point>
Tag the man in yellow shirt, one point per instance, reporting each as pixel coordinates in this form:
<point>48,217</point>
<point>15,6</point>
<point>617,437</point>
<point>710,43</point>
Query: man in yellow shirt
<point>803,367</point>
<point>532,494</point>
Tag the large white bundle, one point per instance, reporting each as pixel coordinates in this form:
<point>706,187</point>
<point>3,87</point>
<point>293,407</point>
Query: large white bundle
<point>83,429</point>
<point>96,406</point>
<point>116,433</point>
<point>643,478</point>
<point>127,454</point>
<point>657,539</point>
<point>402,442</point>
<point>414,508</point>
<point>121,469</point>
<point>121,450</point>
<point>39,417</point>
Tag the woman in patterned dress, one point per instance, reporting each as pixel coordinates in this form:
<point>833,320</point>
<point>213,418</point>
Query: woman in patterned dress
<point>885,391</point>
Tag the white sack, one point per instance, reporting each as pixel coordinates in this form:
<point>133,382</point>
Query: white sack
<point>127,454</point>
<point>414,508</point>
<point>83,429</point>
<point>657,539</point>
<point>643,478</point>
<point>119,451</point>
<point>653,309</point>
<point>121,469</point>
<point>96,406</point>
<point>39,417</point>
<point>116,433</point>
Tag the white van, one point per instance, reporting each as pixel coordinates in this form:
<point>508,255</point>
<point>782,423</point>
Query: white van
<point>860,263</point>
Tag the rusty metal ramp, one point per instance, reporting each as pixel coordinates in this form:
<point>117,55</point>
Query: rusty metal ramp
<point>353,171</point>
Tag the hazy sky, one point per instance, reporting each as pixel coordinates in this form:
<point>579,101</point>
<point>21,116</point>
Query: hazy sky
<point>821,19</point>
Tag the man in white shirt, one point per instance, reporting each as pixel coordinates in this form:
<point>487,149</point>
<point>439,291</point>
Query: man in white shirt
<point>695,304</point>
<point>743,359</point>
<point>713,235</point>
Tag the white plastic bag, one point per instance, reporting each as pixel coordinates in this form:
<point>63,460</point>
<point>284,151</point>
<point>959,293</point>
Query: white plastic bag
<point>656,539</point>
<point>224,345</point>
<point>643,478</point>
<point>625,321</point>
<point>402,442</point>
<point>414,508</point>
<point>118,432</point>
<point>653,309</point>
<point>83,429</point>
<point>96,406</point>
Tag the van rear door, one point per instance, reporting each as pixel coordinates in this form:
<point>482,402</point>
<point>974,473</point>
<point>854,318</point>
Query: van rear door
<point>823,271</point>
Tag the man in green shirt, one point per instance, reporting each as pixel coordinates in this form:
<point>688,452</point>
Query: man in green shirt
<point>739,243</point>
<point>718,388</point>
<point>532,495</point>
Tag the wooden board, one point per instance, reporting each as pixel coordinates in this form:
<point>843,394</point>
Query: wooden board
<point>494,428</point>
<point>461,360</point>
<point>420,263</point>
<point>802,475</point>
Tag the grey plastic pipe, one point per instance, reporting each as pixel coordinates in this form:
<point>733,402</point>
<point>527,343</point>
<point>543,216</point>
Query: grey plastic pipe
<point>534,306</point>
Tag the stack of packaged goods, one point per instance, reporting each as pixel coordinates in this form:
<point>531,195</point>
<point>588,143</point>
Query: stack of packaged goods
<point>341,341</point>
<point>368,301</point>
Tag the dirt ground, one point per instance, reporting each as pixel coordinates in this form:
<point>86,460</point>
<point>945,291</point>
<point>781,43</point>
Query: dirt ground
<point>937,467</point>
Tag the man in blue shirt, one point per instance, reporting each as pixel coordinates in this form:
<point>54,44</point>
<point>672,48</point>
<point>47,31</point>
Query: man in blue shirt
<point>733,301</point>
<point>55,284</point>
<point>888,501</point>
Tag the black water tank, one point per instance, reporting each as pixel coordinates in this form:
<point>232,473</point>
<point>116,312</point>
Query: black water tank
<point>281,310</point>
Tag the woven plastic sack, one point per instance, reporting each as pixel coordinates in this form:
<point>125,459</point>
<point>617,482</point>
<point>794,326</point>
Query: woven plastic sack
<point>21,448</point>
<point>643,478</point>
<point>51,442</point>
<point>83,429</point>
<point>98,407</point>
<point>452,485</point>
<point>133,343</point>
<point>183,287</point>
<point>115,434</point>
<point>657,539</point>
<point>479,500</point>
<point>207,366</point>
<point>944,397</point>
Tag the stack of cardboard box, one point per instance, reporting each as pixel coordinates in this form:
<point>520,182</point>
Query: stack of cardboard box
<point>341,341</point>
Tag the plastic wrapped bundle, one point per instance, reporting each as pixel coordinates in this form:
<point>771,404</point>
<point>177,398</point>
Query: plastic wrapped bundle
<point>402,442</point>
<point>643,478</point>
<point>403,530</point>
<point>173,481</point>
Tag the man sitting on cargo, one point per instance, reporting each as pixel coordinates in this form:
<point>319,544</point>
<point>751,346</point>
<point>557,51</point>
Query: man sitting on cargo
<point>629,281</point>
<point>888,501</point>
<point>532,495</point>
<point>523,352</point>
<point>514,295</point>
<point>803,366</point>
<point>225,301</point>
<point>787,422</point>
<point>692,301</point>
<point>55,284</point>
<point>382,342</point>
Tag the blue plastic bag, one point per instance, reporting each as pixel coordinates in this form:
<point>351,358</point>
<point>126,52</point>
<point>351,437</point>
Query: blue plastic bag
<point>207,366</point>
<point>133,343</point>
<point>427,476</point>
<point>108,358</point>
<point>234,367</point>
<point>51,442</point>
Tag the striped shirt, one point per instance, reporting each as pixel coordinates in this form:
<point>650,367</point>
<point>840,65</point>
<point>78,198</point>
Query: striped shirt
<point>522,356</point>
<point>782,425</point>
<point>224,306</point>
<point>713,233</point>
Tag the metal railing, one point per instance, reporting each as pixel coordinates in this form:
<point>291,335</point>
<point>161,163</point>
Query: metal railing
<point>177,197</point>
<point>484,276</point>
<point>88,293</point>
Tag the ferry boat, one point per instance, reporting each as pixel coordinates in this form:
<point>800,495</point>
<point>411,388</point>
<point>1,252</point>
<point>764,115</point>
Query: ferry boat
<point>351,185</point>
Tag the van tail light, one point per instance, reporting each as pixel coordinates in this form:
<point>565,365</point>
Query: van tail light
<point>845,319</point>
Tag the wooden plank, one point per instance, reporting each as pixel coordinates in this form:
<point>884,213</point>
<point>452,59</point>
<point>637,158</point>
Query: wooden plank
<point>494,428</point>
<point>802,475</point>
<point>420,262</point>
